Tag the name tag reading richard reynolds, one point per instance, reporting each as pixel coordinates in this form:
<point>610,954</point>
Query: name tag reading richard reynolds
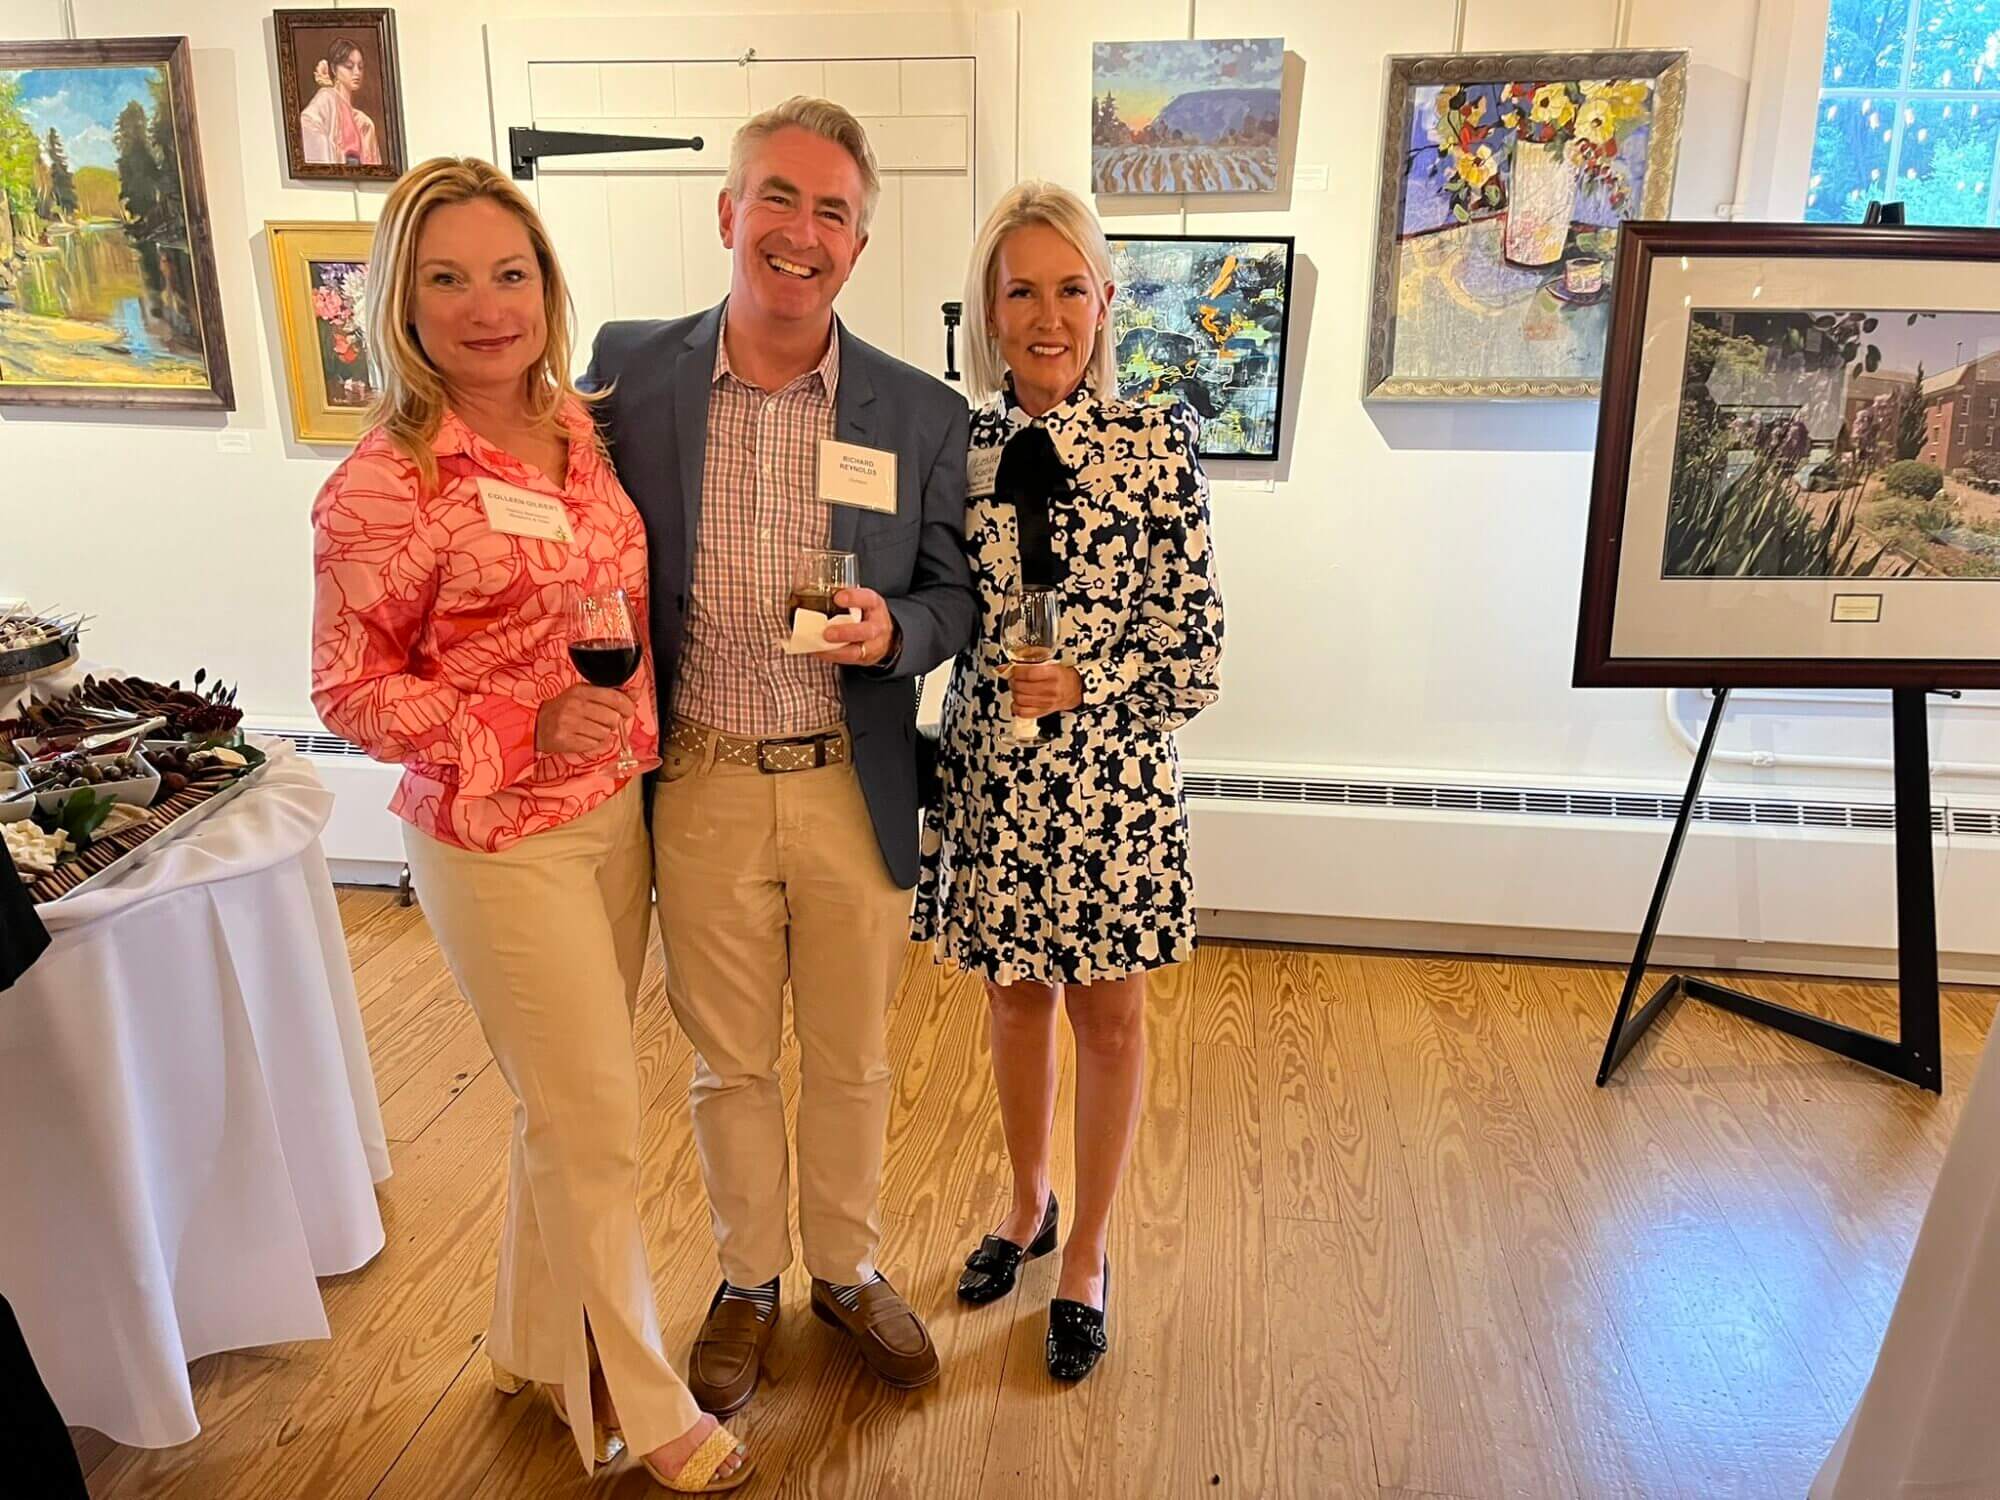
<point>852,475</point>
<point>982,469</point>
<point>513,511</point>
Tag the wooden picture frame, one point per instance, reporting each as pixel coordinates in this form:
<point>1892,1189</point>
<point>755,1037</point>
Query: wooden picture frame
<point>144,330</point>
<point>1797,480</point>
<point>1523,252</point>
<point>1210,346</point>
<point>318,272</point>
<point>340,126</point>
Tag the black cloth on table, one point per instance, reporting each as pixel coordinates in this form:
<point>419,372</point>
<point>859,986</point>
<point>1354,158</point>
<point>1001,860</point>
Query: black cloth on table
<point>22,936</point>
<point>37,1457</point>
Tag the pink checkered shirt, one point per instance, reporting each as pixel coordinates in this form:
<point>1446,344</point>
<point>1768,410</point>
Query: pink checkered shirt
<point>760,508</point>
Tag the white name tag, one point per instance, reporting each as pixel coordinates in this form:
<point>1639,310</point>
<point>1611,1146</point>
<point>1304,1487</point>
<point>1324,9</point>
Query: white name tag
<point>852,475</point>
<point>982,470</point>
<point>513,511</point>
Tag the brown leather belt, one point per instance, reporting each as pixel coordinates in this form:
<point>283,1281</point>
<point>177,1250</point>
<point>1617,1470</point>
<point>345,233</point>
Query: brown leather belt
<point>774,757</point>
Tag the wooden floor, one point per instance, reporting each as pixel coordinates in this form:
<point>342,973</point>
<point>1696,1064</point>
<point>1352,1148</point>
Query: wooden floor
<point>1381,1239</point>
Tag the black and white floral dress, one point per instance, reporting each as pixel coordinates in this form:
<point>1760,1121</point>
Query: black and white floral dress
<point>1067,862</point>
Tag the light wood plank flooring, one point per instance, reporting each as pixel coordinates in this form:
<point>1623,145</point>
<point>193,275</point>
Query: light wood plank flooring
<point>1382,1239</point>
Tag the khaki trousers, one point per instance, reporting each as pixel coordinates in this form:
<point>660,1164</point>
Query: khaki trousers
<point>547,940</point>
<point>765,879</point>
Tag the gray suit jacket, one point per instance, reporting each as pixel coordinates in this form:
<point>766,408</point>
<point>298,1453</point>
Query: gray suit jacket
<point>656,422</point>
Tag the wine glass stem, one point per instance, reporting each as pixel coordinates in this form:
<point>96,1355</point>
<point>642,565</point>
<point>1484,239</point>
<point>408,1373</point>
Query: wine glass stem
<point>625,760</point>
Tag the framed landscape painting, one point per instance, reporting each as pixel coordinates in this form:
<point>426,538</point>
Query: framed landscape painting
<point>320,272</point>
<point>1798,461</point>
<point>1186,117</point>
<point>1505,178</point>
<point>1203,320</point>
<point>341,88</point>
<point>108,290</point>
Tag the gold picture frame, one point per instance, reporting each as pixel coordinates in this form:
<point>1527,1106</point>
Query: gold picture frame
<point>319,272</point>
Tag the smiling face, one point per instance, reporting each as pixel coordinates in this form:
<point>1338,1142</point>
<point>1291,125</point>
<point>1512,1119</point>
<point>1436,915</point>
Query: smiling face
<point>795,234</point>
<point>478,301</point>
<point>1047,312</point>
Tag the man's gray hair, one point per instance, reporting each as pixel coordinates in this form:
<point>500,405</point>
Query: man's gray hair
<point>823,118</point>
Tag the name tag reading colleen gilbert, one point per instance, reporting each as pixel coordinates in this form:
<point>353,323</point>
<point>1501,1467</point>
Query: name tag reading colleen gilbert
<point>513,511</point>
<point>850,474</point>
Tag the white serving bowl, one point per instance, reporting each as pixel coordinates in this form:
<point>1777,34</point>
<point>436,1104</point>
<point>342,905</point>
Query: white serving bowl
<point>139,791</point>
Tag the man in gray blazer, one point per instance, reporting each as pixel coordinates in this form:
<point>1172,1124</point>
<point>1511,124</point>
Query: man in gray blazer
<point>785,815</point>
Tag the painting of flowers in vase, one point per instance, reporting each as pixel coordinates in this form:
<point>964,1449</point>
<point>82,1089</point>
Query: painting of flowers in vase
<point>320,273</point>
<point>1504,181</point>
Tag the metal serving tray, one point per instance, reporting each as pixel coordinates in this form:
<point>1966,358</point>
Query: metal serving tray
<point>177,829</point>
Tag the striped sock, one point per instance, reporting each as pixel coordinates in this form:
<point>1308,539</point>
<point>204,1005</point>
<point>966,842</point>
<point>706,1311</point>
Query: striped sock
<point>765,1296</point>
<point>849,1297</point>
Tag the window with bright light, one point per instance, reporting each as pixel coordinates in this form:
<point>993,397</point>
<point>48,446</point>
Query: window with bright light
<point>1909,110</point>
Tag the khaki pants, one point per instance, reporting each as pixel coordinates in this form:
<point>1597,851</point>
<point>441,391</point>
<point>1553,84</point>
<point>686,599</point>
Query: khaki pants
<point>765,879</point>
<point>547,940</point>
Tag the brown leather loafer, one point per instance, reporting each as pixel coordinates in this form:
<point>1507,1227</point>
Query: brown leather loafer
<point>894,1342</point>
<point>728,1353</point>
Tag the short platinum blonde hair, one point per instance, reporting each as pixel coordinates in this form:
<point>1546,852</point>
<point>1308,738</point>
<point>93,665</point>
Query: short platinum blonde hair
<point>414,393</point>
<point>1027,203</point>
<point>820,117</point>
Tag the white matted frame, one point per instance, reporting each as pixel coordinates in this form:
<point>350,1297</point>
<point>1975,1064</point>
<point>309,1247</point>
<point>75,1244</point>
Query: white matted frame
<point>1643,623</point>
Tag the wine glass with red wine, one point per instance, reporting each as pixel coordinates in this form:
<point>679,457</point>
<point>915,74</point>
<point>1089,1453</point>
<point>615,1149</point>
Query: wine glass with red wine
<point>605,648</point>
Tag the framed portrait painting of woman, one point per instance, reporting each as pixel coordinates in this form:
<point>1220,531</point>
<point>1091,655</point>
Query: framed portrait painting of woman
<point>341,94</point>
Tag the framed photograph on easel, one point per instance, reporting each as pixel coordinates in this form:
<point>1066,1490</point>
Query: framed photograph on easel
<point>1798,461</point>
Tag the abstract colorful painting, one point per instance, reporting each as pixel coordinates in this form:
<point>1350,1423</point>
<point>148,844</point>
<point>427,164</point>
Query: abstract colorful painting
<point>320,272</point>
<point>1504,182</point>
<point>1185,117</point>
<point>1203,321</point>
<point>108,292</point>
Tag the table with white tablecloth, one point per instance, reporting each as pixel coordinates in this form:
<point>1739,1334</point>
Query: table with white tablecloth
<point>1924,1427</point>
<point>189,1130</point>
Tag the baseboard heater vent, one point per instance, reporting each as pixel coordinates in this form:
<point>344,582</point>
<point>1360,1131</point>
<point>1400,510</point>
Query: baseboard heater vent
<point>310,743</point>
<point>1551,802</point>
<point>1518,801</point>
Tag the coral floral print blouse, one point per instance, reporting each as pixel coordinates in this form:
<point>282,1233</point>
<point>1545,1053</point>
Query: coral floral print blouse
<point>436,639</point>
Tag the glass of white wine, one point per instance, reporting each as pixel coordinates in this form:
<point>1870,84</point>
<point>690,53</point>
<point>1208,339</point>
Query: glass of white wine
<point>1029,630</point>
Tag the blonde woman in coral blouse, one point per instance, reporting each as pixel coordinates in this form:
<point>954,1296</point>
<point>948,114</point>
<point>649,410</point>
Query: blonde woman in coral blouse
<point>446,549</point>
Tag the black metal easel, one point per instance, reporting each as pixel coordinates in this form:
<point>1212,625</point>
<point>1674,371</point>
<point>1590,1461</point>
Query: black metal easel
<point>1915,1054</point>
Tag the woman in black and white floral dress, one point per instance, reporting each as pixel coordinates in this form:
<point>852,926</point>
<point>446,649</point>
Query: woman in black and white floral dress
<point>1059,868</point>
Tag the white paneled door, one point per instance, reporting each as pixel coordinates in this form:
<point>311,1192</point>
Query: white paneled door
<point>638,231</point>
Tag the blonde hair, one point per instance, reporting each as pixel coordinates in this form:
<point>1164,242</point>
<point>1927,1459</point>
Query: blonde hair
<point>414,394</point>
<point>821,117</point>
<point>1068,215</point>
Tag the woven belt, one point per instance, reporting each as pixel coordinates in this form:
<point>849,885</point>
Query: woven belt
<point>774,757</point>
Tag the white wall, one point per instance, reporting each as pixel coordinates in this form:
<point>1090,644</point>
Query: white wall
<point>1402,598</point>
<point>189,555</point>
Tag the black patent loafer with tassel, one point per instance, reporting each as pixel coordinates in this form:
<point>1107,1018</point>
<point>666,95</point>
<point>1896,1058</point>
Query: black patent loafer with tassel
<point>991,1270</point>
<point>1077,1337</point>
